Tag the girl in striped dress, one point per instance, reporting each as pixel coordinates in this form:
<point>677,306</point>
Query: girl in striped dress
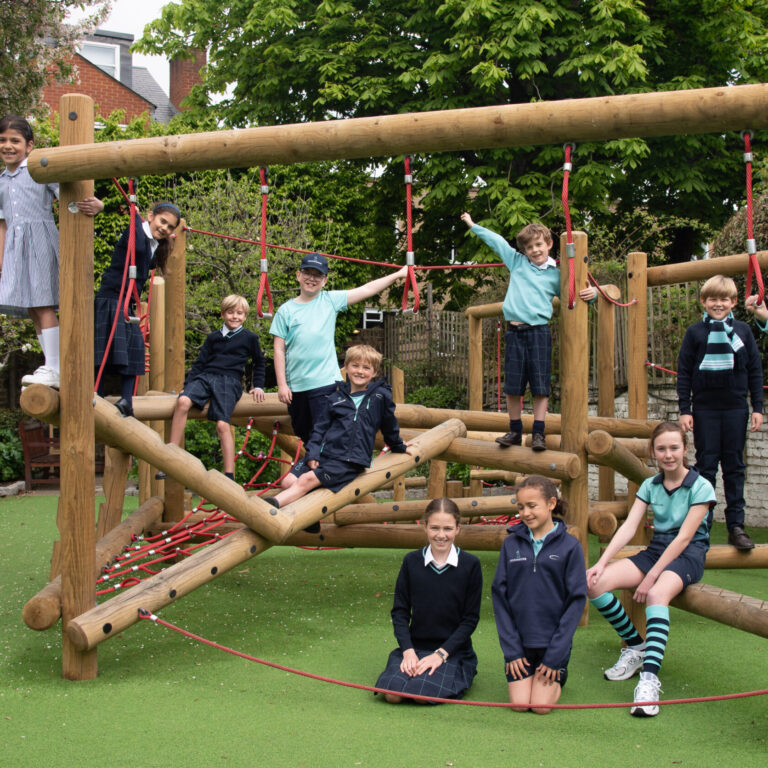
<point>29,245</point>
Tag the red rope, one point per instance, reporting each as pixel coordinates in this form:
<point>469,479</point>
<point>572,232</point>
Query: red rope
<point>144,614</point>
<point>263,277</point>
<point>606,296</point>
<point>410,278</point>
<point>570,248</point>
<point>754,265</point>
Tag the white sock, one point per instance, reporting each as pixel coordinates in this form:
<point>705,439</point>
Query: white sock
<point>50,344</point>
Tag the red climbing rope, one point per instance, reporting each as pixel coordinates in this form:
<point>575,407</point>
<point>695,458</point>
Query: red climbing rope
<point>754,265</point>
<point>263,277</point>
<point>410,279</point>
<point>570,248</point>
<point>606,296</point>
<point>147,615</point>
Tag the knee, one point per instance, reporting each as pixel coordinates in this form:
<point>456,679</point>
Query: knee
<point>222,428</point>
<point>519,708</point>
<point>541,710</point>
<point>183,404</point>
<point>391,698</point>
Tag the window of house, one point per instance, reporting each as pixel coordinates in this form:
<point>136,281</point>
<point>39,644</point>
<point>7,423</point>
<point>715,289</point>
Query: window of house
<point>105,57</point>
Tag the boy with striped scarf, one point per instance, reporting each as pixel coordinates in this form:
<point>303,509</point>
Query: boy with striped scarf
<point>718,367</point>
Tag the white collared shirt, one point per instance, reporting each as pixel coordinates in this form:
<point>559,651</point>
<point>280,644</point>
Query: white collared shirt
<point>452,559</point>
<point>148,232</point>
<point>225,331</point>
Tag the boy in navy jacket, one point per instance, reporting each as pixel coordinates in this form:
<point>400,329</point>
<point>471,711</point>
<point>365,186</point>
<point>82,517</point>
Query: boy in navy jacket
<point>719,367</point>
<point>216,375</point>
<point>343,439</point>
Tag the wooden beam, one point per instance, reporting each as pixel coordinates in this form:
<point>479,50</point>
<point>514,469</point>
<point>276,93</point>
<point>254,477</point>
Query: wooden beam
<point>663,113</point>
<point>702,269</point>
<point>608,452</point>
<point>414,510</point>
<point>720,556</point>
<point>731,608</point>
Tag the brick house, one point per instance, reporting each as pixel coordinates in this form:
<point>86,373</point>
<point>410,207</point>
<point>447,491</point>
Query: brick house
<point>105,72</point>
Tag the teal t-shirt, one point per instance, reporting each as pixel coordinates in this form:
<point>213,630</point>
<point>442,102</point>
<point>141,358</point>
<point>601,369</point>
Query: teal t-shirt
<point>310,353</point>
<point>539,543</point>
<point>671,507</point>
<point>531,288</point>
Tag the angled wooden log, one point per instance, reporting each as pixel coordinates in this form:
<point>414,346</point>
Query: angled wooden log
<point>44,609</point>
<point>116,467</point>
<point>746,613</point>
<point>321,502</point>
<point>603,449</point>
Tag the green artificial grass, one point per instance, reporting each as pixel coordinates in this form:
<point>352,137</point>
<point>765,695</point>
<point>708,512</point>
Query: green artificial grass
<point>164,700</point>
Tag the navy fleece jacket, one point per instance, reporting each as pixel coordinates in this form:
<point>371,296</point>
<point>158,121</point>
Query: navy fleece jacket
<point>537,601</point>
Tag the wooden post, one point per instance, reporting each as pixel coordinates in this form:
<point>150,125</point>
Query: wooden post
<point>574,391</point>
<point>454,489</point>
<point>175,326</point>
<point>606,379</point>
<point>116,466</point>
<point>436,482</point>
<point>157,363</point>
<point>475,363</point>
<point>398,395</point>
<point>637,378</point>
<point>78,466</point>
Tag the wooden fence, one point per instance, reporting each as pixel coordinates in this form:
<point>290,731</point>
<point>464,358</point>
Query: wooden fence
<point>431,347</point>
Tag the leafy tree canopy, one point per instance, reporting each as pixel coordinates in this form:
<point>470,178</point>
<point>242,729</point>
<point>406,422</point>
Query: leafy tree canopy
<point>36,46</point>
<point>295,61</point>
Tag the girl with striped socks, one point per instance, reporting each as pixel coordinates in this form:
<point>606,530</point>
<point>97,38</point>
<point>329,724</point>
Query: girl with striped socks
<point>682,502</point>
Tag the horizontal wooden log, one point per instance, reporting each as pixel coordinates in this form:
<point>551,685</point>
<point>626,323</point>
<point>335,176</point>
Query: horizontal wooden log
<point>721,556</point>
<point>414,510</point>
<point>321,502</point>
<point>494,476</point>
<point>618,509</point>
<point>44,609</point>
<point>702,269</point>
<point>662,113</point>
<point>602,524</point>
<point>603,449</point>
<point>410,482</point>
<point>746,613</point>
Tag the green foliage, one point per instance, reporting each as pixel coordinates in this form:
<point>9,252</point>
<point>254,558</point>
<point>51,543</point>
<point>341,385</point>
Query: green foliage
<point>37,41</point>
<point>438,396</point>
<point>11,453</point>
<point>285,63</point>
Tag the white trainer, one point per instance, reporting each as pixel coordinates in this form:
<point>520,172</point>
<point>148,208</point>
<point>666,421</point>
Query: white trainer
<point>630,661</point>
<point>43,375</point>
<point>648,689</point>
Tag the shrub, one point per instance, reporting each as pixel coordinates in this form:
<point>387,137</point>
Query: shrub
<point>11,453</point>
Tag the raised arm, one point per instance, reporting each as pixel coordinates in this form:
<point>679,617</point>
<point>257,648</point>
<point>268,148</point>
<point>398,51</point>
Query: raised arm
<point>363,292</point>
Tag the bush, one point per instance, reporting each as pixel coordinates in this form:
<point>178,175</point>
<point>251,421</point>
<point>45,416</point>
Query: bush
<point>11,454</point>
<point>438,396</point>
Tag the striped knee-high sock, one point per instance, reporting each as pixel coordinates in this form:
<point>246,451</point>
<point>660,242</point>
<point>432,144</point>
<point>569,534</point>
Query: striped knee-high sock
<point>656,636</point>
<point>614,612</point>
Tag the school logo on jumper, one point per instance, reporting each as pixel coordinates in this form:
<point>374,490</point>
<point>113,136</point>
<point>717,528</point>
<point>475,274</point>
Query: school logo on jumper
<point>518,558</point>
<point>554,557</point>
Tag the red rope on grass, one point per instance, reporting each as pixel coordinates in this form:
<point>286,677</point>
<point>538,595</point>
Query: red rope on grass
<point>754,266</point>
<point>144,614</point>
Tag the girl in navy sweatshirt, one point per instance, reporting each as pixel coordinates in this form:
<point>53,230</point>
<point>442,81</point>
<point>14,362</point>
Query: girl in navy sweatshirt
<point>539,593</point>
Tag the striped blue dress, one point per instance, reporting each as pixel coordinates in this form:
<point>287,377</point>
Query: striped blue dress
<point>30,276</point>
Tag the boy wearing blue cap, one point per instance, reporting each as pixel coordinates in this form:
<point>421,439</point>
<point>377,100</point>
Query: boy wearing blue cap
<point>306,365</point>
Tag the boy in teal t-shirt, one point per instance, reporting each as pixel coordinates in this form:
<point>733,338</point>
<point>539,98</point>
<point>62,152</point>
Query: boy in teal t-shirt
<point>306,365</point>
<point>534,280</point>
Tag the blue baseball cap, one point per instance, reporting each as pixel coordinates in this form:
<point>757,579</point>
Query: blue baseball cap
<point>315,261</point>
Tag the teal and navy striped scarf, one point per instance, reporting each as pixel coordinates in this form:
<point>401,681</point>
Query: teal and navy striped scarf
<point>722,345</point>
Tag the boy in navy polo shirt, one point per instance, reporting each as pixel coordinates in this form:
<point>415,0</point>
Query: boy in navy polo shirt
<point>534,280</point>
<point>343,438</point>
<point>306,365</point>
<point>216,376</point>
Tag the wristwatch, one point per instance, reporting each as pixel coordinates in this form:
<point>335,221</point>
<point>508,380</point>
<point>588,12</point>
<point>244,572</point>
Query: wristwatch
<point>442,654</point>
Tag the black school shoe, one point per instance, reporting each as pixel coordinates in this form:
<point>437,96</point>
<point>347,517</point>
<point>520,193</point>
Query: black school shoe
<point>538,441</point>
<point>511,438</point>
<point>737,537</point>
<point>124,407</point>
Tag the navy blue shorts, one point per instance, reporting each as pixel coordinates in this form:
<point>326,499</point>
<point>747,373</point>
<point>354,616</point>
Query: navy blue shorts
<point>528,360</point>
<point>223,392</point>
<point>333,474</point>
<point>306,408</point>
<point>689,565</point>
<point>535,656</point>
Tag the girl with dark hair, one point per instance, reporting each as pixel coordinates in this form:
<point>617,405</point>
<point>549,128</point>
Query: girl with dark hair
<point>125,355</point>
<point>539,593</point>
<point>682,502</point>
<point>435,612</point>
<point>29,245</point>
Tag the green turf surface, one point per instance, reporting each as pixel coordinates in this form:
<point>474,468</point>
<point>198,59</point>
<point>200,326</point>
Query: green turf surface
<point>164,700</point>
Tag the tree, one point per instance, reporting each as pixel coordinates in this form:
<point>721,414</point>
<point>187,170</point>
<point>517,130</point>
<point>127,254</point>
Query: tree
<point>296,61</point>
<point>36,46</point>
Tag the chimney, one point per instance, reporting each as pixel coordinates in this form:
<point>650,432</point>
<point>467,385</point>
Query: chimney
<point>184,74</point>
